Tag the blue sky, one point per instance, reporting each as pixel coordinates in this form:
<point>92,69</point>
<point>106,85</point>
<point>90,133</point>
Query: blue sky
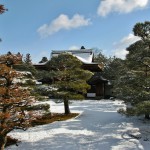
<point>39,26</point>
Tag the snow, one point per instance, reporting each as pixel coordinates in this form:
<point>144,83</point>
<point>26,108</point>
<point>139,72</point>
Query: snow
<point>85,57</point>
<point>98,127</point>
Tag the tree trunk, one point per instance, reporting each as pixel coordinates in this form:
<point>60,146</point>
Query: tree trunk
<point>66,106</point>
<point>3,140</point>
<point>147,116</point>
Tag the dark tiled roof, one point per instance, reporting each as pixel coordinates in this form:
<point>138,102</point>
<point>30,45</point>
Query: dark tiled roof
<point>97,78</point>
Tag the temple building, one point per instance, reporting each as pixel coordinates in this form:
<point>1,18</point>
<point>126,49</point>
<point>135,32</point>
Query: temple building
<point>99,85</point>
<point>86,56</point>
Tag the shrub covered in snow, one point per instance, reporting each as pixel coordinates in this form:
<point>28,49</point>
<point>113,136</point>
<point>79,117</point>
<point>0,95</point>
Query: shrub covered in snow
<point>44,107</point>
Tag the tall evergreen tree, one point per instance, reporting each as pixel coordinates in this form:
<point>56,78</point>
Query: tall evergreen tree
<point>113,67</point>
<point>134,86</point>
<point>70,78</point>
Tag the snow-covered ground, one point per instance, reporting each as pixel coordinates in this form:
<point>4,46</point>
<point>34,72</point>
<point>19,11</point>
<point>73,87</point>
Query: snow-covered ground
<point>98,127</point>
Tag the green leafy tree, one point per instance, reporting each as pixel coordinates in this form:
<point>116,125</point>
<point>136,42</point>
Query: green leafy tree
<point>70,79</point>
<point>134,86</point>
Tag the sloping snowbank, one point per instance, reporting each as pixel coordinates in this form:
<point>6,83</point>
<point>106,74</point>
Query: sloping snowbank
<point>98,127</point>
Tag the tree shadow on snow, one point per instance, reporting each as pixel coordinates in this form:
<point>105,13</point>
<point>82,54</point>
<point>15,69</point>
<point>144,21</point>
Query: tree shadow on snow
<point>99,127</point>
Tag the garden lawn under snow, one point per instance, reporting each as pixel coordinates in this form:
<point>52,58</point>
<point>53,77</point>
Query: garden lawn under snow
<point>98,127</point>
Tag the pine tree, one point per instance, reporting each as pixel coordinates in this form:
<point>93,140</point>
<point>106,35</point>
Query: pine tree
<point>70,78</point>
<point>13,101</point>
<point>134,86</point>
<point>112,70</point>
<point>28,59</point>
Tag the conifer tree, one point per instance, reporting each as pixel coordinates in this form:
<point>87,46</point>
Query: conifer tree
<point>70,78</point>
<point>134,86</point>
<point>13,101</point>
<point>28,59</point>
<point>113,67</point>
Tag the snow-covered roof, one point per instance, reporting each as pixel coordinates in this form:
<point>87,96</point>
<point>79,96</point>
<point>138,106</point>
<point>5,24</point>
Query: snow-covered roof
<point>84,55</point>
<point>41,64</point>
